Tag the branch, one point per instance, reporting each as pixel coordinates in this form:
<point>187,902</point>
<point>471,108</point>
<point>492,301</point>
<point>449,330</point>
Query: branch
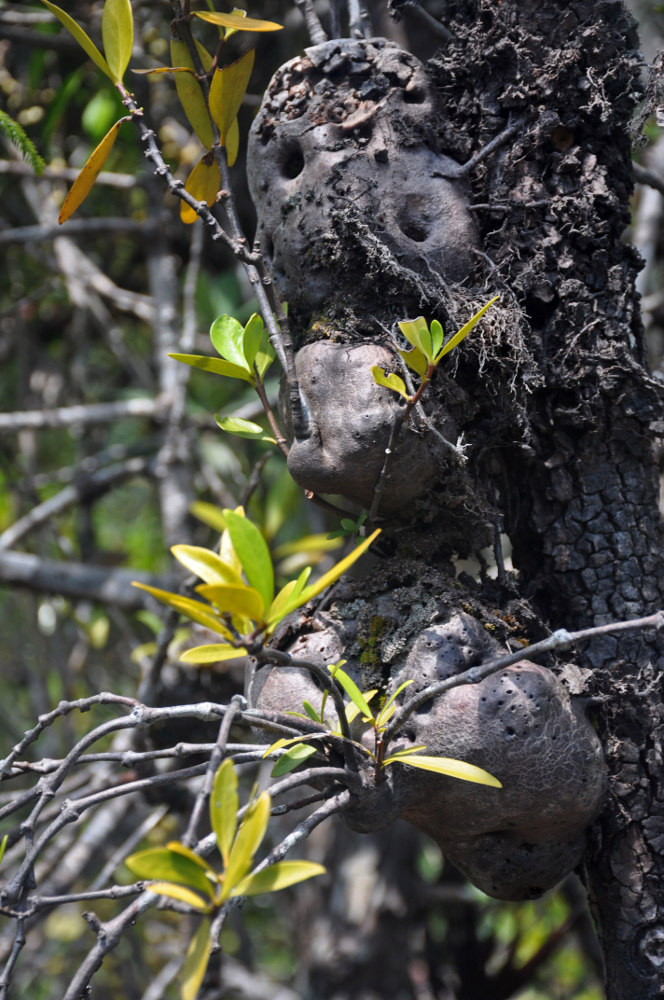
<point>91,413</point>
<point>80,581</point>
<point>559,640</point>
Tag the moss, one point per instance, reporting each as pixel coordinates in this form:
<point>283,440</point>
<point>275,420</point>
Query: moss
<point>369,644</point>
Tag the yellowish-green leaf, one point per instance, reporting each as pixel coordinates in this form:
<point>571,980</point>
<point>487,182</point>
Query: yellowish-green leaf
<point>227,90</point>
<point>277,876</point>
<point>196,962</point>
<point>82,186</point>
<point>223,808</point>
<point>212,653</point>
<point>248,839</point>
<point>332,575</point>
<point>307,544</point>
<point>352,710</point>
<point>245,429</point>
<point>464,331</point>
<point>209,514</point>
<point>263,360</point>
<point>417,333</point>
<point>252,551</point>
<point>237,21</point>
<point>83,40</point>
<point>437,336</point>
<point>203,183</point>
<point>351,689</point>
<point>449,766</point>
<point>195,610</point>
<point>117,33</point>
<point>232,142</point>
<point>206,564</point>
<point>251,338</point>
<point>164,864</point>
<point>390,381</point>
<point>215,365</point>
<point>415,360</point>
<point>189,90</point>
<point>227,336</point>
<point>240,600</point>
<point>287,595</point>
<point>181,893</point>
<point>3,846</point>
<point>388,709</point>
<point>291,759</point>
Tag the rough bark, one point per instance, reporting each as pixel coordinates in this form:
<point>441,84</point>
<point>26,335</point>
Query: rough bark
<point>553,397</point>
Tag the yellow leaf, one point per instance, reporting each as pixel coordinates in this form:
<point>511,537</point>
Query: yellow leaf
<point>195,610</point>
<point>232,142</point>
<point>83,40</point>
<point>196,961</point>
<point>179,892</point>
<point>237,21</point>
<point>240,600</point>
<point>277,876</point>
<point>390,381</point>
<point>82,186</point>
<point>202,184</point>
<point>117,32</point>
<point>449,766</point>
<point>206,564</point>
<point>189,90</point>
<point>227,89</point>
<point>223,808</point>
<point>212,653</point>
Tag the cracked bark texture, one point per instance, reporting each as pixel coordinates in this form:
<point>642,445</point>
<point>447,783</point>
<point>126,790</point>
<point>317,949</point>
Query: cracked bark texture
<point>554,396</point>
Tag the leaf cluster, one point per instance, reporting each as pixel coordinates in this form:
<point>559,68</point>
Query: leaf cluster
<point>238,583</point>
<point>177,872</point>
<point>426,351</point>
<point>300,748</point>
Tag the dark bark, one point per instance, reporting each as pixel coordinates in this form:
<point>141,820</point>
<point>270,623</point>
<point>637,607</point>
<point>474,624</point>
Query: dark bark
<point>554,398</point>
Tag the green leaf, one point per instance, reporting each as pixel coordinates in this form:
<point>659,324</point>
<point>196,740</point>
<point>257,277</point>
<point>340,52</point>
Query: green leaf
<point>240,600</point>
<point>251,340</point>
<point>244,428</point>
<point>227,337</point>
<point>449,766</point>
<point>311,711</point>
<point>417,333</point>
<point>248,839</point>
<point>195,610</point>
<point>3,846</point>
<point>18,138</point>
<point>252,551</point>
<point>224,804</point>
<point>263,360</point>
<point>437,336</point>
<point>212,653</point>
<point>351,689</point>
<point>214,365</point>
<point>168,864</point>
<point>415,360</point>
<point>277,876</point>
<point>206,564</point>
<point>352,711</point>
<point>117,32</point>
<point>464,331</point>
<point>237,21</point>
<point>181,893</point>
<point>292,758</point>
<point>390,381</point>
<point>83,40</point>
<point>196,962</point>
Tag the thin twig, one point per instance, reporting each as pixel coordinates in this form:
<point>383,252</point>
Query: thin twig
<point>559,640</point>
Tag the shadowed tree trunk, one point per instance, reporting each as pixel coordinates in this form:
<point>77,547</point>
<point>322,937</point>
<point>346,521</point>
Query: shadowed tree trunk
<point>374,205</point>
